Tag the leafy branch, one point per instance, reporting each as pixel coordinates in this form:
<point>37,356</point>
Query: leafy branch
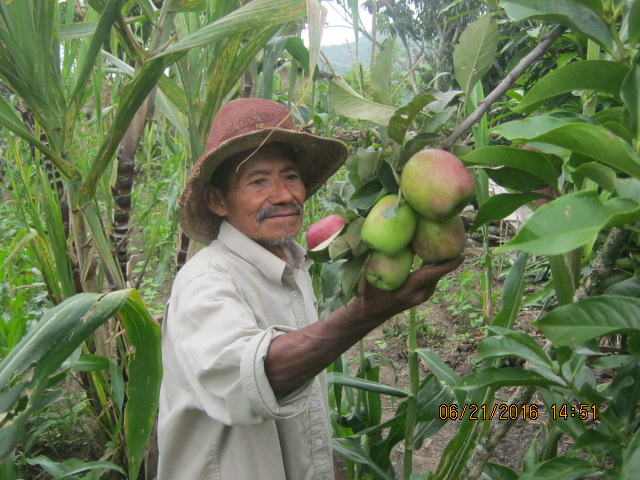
<point>503,86</point>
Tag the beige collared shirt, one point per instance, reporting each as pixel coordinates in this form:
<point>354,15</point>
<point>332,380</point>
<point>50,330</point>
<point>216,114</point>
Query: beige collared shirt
<point>219,418</point>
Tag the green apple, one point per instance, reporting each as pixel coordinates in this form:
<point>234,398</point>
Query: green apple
<point>436,242</point>
<point>436,184</point>
<point>386,233</point>
<point>388,272</point>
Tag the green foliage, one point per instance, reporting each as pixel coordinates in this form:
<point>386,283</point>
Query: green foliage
<point>462,297</point>
<point>577,116</point>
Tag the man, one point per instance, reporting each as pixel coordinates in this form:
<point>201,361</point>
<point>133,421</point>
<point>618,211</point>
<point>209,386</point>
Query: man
<point>244,395</point>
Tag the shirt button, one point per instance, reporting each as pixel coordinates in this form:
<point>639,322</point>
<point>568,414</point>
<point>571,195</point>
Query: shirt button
<point>319,442</point>
<point>294,294</point>
<point>315,404</point>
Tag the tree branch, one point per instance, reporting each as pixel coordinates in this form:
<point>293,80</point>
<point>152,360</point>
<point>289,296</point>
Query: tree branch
<point>497,431</point>
<point>602,266</point>
<point>503,86</point>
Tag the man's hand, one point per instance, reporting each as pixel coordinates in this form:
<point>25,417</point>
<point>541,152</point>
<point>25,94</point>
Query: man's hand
<point>418,288</point>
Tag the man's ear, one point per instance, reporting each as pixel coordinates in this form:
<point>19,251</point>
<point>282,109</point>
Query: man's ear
<point>214,200</point>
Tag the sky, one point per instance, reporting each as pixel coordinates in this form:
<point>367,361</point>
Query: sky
<point>336,30</point>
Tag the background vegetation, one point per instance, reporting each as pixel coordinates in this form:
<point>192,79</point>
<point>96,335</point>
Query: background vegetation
<point>106,103</point>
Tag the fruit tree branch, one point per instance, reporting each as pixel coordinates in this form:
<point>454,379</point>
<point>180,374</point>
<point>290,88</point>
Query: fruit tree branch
<point>503,86</point>
<point>497,431</point>
<point>603,265</point>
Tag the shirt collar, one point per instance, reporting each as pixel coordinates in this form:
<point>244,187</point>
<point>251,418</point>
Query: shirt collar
<point>270,265</point>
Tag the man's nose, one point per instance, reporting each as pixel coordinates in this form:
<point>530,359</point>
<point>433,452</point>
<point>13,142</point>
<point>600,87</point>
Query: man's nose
<point>281,193</point>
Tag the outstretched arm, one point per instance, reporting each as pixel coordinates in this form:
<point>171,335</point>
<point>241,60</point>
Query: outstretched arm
<point>298,356</point>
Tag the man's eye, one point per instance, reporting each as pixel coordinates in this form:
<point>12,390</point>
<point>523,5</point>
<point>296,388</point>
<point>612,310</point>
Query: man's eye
<point>258,181</point>
<point>293,176</point>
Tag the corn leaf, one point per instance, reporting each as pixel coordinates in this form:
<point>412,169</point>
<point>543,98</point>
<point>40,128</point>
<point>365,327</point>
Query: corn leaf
<point>25,372</point>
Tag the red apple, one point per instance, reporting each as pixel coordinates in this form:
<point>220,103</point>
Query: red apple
<point>323,229</point>
<point>388,272</point>
<point>436,184</point>
<point>436,242</point>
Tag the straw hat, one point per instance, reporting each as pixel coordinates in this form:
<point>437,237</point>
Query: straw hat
<point>247,124</point>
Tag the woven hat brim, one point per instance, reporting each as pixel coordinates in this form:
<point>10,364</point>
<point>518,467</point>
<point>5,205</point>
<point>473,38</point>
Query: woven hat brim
<point>317,157</point>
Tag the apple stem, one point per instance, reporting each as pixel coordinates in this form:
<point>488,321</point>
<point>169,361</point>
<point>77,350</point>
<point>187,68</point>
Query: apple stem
<point>412,401</point>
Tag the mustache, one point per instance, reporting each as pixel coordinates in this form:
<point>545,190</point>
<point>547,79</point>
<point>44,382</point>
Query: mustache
<point>287,209</point>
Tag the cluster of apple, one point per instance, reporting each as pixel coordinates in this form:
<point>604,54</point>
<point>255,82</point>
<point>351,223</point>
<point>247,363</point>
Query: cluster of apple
<point>436,187</point>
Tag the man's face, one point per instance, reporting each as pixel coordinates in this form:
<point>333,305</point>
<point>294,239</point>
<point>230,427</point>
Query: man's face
<point>264,197</point>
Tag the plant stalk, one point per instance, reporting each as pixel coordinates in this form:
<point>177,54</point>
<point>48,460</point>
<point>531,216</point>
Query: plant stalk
<point>412,401</point>
<point>497,92</point>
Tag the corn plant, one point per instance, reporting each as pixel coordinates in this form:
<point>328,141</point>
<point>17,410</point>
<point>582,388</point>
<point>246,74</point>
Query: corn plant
<point>32,366</point>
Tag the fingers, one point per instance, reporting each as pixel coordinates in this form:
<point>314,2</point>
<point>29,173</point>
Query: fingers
<point>426,275</point>
<point>431,273</point>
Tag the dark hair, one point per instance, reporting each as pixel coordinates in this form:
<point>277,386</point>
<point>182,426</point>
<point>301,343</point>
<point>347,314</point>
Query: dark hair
<point>221,175</point>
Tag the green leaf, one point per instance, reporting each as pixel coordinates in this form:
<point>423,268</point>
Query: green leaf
<point>514,179</point>
<point>145,374</point>
<point>631,21</point>
<point>473,56</point>
<point>560,468</point>
<point>90,363</point>
<point>512,293</point>
<point>365,197</point>
<point>42,351</point>
<point>563,279</point>
<point>381,75</point>
<point>55,337</point>
<point>295,46</point>
<point>598,75</point>
<point>504,377</point>
<point>254,15</point>
<point>530,127</point>
<point>570,13</point>
<point>594,142</point>
<point>349,103</point>
<point>350,273</point>
<point>495,471</point>
<point>591,318</point>
<point>508,343</point>
<point>631,459</point>
<point>630,94</point>
<point>569,222</point>
<point>440,369</point>
<point>9,120</point>
<point>351,449</point>
<point>71,466</point>
<point>628,188</point>
<point>316,17</point>
<point>601,174</point>
<point>404,116</point>
<point>628,288</point>
<point>501,206</point>
<point>74,31</point>
<point>389,177</point>
<point>108,16</point>
<point>530,161</point>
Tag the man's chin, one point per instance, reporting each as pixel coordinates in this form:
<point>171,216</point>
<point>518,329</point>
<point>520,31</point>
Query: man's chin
<point>282,241</point>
